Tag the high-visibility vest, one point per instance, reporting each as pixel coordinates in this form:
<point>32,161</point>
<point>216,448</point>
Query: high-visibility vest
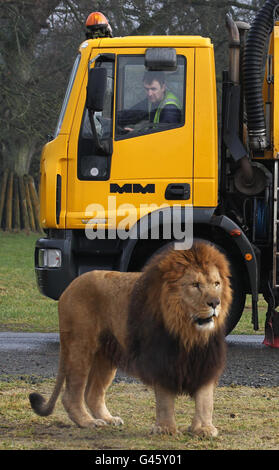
<point>170,98</point>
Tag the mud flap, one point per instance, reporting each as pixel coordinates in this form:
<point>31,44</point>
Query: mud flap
<point>271,337</point>
<point>272,328</point>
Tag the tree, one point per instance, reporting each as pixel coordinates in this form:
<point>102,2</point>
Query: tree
<point>21,23</point>
<point>27,101</point>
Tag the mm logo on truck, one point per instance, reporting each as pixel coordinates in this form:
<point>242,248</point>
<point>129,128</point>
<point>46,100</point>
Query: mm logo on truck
<point>132,188</point>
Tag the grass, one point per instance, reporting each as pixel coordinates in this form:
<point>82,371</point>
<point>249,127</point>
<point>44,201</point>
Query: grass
<point>246,418</point>
<point>244,326</point>
<point>23,308</point>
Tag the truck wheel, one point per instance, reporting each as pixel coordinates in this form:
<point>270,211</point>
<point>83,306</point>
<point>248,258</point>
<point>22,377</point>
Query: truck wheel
<point>238,302</point>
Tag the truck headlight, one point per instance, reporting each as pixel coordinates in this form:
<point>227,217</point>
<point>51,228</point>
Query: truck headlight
<point>49,258</point>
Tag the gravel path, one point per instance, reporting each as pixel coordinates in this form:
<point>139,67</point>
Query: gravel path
<point>250,362</point>
<point>35,355</point>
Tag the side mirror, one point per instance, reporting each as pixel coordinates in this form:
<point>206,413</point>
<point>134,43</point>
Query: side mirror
<point>161,59</point>
<point>96,88</point>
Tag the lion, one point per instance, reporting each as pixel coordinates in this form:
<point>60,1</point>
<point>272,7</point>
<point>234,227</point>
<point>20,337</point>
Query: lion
<point>164,325</point>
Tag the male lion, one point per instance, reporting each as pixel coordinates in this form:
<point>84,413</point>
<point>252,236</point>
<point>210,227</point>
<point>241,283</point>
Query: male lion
<point>164,326</point>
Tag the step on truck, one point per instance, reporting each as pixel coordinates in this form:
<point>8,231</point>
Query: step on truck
<point>136,160</point>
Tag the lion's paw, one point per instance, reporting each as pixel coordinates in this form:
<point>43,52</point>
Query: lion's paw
<point>98,423</point>
<point>157,429</point>
<point>115,421</point>
<point>204,431</point>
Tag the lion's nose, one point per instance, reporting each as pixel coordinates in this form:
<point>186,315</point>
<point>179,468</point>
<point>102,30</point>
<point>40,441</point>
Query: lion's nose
<point>213,303</point>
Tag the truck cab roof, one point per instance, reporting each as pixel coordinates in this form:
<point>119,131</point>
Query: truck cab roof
<point>150,41</point>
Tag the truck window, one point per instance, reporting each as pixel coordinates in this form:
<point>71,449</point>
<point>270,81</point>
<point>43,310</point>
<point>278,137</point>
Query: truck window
<point>91,164</point>
<point>148,101</point>
<point>67,95</point>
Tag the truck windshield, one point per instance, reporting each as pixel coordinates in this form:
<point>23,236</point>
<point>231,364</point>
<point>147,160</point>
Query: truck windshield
<point>67,95</point>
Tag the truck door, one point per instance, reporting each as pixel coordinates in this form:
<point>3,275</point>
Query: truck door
<point>148,159</point>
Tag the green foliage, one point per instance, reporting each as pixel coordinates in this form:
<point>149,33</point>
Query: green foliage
<point>22,307</point>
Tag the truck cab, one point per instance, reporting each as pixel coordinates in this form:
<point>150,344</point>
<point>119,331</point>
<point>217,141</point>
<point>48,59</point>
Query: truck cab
<point>133,169</point>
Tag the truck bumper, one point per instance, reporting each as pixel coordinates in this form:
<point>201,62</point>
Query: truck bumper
<point>52,281</point>
<point>76,255</point>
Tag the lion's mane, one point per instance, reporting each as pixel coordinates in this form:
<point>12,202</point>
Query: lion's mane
<point>163,346</point>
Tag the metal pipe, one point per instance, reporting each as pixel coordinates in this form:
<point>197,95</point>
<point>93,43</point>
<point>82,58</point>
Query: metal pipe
<point>234,50</point>
<point>234,66</point>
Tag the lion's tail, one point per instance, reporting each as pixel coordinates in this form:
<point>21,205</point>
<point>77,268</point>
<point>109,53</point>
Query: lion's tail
<point>38,402</point>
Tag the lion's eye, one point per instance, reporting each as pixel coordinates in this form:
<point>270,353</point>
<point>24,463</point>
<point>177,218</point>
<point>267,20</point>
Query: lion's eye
<point>196,284</point>
<point>217,283</point>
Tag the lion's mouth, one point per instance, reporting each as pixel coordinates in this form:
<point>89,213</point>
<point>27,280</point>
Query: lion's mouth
<point>202,321</point>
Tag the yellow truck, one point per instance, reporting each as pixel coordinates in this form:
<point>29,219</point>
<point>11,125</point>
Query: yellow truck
<point>136,160</point>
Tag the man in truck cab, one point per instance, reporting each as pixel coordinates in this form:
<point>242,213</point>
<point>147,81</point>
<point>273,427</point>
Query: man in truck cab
<point>160,105</point>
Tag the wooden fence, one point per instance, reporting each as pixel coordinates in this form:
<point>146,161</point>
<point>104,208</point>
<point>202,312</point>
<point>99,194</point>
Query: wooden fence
<point>19,203</point>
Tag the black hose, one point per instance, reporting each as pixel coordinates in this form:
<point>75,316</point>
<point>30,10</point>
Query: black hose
<point>253,73</point>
